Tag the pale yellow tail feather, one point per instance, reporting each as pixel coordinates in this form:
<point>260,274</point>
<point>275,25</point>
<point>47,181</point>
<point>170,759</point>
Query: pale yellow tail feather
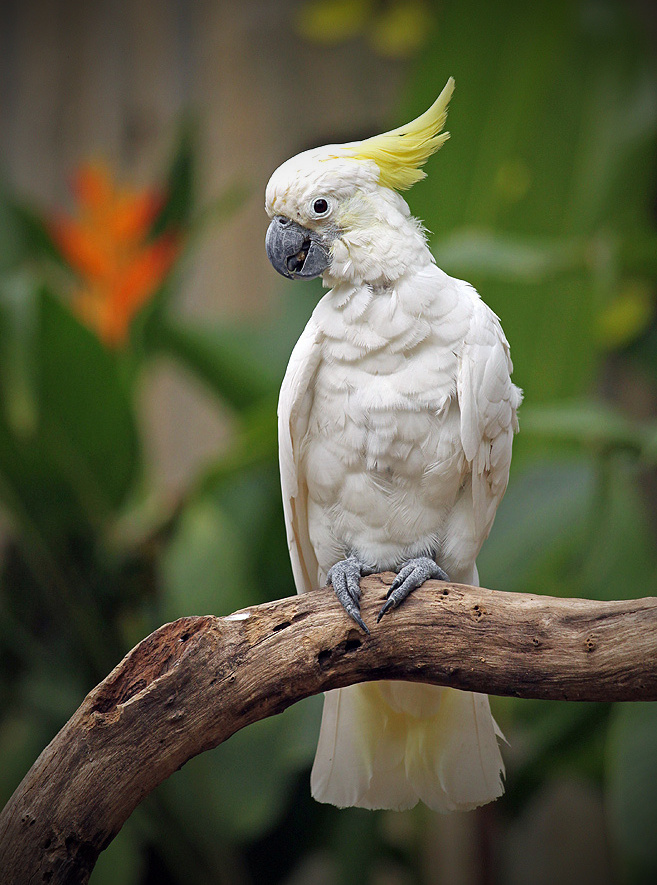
<point>392,744</point>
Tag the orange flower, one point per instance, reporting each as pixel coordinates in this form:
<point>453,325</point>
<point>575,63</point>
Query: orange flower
<point>108,246</point>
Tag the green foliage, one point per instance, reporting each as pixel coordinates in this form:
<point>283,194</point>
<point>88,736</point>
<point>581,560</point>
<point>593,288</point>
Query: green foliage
<point>177,211</point>
<point>24,236</point>
<point>122,861</point>
<point>205,568</point>
<point>632,774</point>
<point>244,784</point>
<point>68,437</point>
<point>542,200</point>
<point>540,192</point>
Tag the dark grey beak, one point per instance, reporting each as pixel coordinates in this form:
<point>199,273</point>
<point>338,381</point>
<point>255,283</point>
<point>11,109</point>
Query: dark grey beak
<point>295,251</point>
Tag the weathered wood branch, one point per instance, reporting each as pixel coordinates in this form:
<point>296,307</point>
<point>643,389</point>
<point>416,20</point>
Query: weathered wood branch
<point>193,683</point>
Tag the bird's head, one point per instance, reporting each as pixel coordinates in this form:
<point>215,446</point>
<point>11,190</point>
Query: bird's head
<point>333,208</point>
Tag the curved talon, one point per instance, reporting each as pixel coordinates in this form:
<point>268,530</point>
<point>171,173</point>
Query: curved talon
<point>344,576</point>
<point>403,573</point>
<point>387,605</point>
<point>355,615</point>
<point>411,576</point>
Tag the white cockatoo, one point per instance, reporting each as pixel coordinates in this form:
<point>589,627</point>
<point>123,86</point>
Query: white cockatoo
<point>396,419</point>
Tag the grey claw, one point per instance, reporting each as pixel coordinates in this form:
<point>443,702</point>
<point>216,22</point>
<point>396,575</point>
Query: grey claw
<point>355,615</point>
<point>345,579</point>
<point>403,573</point>
<point>411,576</point>
<point>387,605</point>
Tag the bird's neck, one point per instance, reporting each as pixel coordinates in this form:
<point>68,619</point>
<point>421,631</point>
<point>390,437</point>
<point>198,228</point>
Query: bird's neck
<point>378,253</point>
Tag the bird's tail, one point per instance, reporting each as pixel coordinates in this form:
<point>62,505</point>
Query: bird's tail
<point>390,744</point>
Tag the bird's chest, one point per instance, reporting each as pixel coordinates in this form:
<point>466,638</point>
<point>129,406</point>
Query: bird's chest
<point>381,423</point>
<point>381,457</point>
<point>369,415</point>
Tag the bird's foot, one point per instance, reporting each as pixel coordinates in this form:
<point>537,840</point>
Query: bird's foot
<point>345,578</point>
<point>411,576</point>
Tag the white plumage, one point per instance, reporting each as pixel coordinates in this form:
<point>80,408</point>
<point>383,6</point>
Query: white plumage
<point>396,418</point>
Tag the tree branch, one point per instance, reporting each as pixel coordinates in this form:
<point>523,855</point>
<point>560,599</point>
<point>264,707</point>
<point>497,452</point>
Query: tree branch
<point>193,683</point>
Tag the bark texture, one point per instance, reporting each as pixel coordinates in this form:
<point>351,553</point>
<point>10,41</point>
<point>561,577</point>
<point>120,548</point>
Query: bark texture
<point>192,684</point>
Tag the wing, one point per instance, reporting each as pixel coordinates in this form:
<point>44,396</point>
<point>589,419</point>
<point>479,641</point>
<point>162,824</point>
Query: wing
<point>294,405</point>
<point>488,402</point>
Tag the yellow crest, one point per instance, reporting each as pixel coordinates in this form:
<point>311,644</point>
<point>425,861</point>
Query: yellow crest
<point>400,153</point>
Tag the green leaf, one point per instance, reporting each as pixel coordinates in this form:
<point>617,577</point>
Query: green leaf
<point>228,359</point>
<point>619,560</point>
<point>551,150</point>
<point>549,738</point>
<point>179,187</point>
<point>526,554</point>
<point>252,500</point>
<point>219,210</point>
<point>503,256</point>
<point>254,443</point>
<point>242,362</point>
<point>594,425</point>
<point>631,796</point>
<point>71,466</point>
<point>122,862</point>
<point>24,235</point>
<point>87,422</point>
<point>205,568</point>
<point>12,243</point>
<point>19,322</point>
<point>589,534</point>
<point>52,693</point>
<point>23,735</point>
<point>21,741</point>
<point>240,789</point>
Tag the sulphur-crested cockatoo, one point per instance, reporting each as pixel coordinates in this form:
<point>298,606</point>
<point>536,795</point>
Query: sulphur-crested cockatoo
<point>396,418</point>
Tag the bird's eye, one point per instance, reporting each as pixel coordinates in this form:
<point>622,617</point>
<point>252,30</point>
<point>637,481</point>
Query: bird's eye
<point>321,206</point>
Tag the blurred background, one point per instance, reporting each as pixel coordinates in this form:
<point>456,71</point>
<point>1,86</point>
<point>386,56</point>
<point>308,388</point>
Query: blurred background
<point>143,338</point>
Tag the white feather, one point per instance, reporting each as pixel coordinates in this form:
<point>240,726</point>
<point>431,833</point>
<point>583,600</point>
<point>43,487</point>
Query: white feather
<point>392,744</point>
<point>396,418</point>
<point>294,404</point>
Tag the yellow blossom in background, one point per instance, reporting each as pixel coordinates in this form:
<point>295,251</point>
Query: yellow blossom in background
<point>400,29</point>
<point>393,29</point>
<point>627,316</point>
<point>118,264</point>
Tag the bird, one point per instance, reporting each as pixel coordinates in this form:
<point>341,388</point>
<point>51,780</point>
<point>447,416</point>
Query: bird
<point>396,418</point>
